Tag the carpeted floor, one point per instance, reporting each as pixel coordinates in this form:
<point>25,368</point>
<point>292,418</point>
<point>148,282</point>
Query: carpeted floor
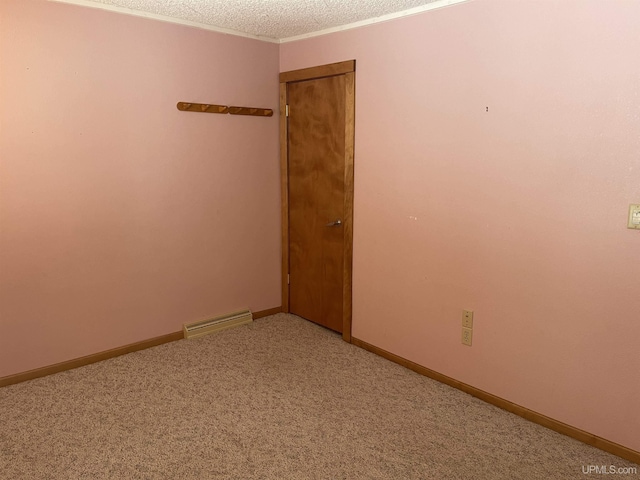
<point>278,399</point>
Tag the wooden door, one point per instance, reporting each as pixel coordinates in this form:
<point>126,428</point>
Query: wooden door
<point>319,137</point>
<point>316,199</point>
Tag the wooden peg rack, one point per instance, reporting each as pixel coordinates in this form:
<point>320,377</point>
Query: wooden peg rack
<point>210,108</point>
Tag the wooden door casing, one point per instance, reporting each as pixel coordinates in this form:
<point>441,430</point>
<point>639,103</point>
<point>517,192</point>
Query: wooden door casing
<point>312,101</point>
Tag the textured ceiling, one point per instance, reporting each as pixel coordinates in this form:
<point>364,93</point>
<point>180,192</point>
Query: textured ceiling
<point>273,19</point>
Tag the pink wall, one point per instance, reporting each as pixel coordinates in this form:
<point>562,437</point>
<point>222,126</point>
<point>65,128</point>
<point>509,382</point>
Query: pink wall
<point>518,213</point>
<point>122,218</point>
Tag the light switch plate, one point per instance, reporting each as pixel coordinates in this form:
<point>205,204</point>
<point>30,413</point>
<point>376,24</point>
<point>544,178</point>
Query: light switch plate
<point>634,217</point>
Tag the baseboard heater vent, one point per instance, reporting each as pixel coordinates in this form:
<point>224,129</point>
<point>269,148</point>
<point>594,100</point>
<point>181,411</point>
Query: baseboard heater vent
<point>205,327</point>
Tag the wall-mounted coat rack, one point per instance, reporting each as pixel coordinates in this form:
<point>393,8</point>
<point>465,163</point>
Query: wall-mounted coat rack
<point>210,108</point>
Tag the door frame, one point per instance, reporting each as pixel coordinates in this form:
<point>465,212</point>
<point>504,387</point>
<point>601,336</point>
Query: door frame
<point>347,68</point>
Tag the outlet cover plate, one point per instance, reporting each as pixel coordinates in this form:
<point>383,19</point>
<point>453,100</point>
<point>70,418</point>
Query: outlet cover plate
<point>467,335</point>
<point>467,318</point>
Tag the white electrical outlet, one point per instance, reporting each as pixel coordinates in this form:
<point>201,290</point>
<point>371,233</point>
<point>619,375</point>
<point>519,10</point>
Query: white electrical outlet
<point>467,318</point>
<point>467,335</point>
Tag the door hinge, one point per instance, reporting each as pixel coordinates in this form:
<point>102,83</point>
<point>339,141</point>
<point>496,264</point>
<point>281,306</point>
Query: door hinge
<point>286,110</point>
<point>288,279</point>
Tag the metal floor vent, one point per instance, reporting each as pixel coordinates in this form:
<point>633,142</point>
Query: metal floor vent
<point>205,327</point>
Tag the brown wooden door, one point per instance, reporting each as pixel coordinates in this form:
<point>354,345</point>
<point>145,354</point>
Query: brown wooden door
<point>316,158</point>
<point>316,199</point>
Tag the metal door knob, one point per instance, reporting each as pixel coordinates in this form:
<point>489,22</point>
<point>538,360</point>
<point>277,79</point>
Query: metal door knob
<point>337,223</point>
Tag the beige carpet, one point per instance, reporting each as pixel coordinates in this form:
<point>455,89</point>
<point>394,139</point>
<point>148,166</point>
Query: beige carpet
<point>279,399</point>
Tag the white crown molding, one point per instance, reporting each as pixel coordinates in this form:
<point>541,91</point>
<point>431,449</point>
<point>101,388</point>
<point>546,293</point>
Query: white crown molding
<point>373,21</point>
<point>162,18</point>
<point>363,23</point>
